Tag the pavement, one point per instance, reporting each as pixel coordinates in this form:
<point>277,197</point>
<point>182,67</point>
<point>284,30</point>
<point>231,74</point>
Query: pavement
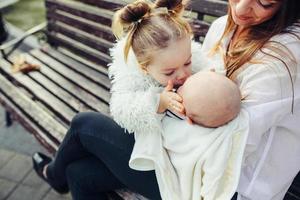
<point>18,181</point>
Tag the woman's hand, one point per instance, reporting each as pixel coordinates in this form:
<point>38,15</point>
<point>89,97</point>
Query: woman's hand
<point>170,100</point>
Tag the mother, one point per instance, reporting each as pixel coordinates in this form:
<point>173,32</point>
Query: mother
<point>258,44</point>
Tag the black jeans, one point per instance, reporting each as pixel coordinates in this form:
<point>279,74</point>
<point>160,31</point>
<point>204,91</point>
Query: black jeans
<point>93,159</point>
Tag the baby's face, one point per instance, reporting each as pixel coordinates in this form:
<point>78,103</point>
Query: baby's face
<point>172,63</point>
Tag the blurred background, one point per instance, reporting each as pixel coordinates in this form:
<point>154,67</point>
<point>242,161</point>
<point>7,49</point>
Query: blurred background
<point>25,14</point>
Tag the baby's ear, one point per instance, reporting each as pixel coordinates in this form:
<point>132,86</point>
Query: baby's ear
<point>189,120</point>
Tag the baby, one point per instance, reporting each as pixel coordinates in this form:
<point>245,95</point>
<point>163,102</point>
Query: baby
<point>210,99</point>
<point>205,156</point>
<point>200,159</point>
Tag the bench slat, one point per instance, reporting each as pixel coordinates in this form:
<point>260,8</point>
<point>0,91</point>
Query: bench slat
<point>31,109</point>
<point>53,82</point>
<point>91,73</point>
<point>18,114</point>
<point>200,28</point>
<point>61,94</point>
<point>98,15</point>
<point>209,7</point>
<point>73,59</point>
<point>45,97</point>
<point>72,76</point>
<point>98,58</point>
<point>98,30</point>
<point>80,94</point>
<point>106,4</point>
<point>102,46</point>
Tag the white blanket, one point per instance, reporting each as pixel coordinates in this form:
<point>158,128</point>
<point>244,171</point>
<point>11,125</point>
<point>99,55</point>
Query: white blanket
<point>193,162</point>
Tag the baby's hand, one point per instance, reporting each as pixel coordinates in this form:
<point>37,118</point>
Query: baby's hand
<point>170,100</point>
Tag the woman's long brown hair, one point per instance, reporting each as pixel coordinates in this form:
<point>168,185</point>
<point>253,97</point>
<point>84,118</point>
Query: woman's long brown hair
<point>259,38</point>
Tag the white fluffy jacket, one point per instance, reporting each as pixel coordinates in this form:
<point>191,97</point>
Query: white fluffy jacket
<point>135,95</point>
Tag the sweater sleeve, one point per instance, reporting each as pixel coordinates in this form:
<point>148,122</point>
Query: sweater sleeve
<point>134,96</point>
<point>135,109</point>
<point>270,90</point>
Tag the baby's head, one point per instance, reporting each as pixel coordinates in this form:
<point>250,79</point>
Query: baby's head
<point>159,36</point>
<point>210,99</point>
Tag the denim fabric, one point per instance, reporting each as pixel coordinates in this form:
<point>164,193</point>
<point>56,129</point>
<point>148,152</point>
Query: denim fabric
<point>93,159</point>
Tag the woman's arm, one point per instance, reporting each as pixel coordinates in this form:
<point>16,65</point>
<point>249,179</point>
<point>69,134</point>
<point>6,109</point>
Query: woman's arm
<point>268,89</point>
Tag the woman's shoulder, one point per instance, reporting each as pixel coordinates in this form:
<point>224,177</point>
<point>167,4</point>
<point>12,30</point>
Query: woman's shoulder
<point>218,25</point>
<point>214,33</point>
<point>220,21</point>
<point>285,45</point>
<point>274,66</point>
<point>290,35</point>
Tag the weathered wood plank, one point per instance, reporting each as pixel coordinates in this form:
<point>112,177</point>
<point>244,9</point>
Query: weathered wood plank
<point>200,28</point>
<point>41,94</point>
<point>80,50</point>
<point>54,88</point>
<point>32,114</point>
<point>72,76</point>
<point>80,36</point>
<point>61,94</point>
<point>95,74</point>
<point>81,95</point>
<point>46,139</point>
<point>106,4</point>
<point>209,7</point>
<point>69,57</point>
<point>77,8</point>
<point>96,29</point>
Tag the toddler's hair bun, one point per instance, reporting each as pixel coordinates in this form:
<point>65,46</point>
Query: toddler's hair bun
<point>134,12</point>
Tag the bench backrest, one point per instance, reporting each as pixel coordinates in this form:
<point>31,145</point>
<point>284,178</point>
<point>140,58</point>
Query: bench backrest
<point>82,28</point>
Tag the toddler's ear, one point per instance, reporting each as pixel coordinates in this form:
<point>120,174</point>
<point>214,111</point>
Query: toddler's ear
<point>144,69</point>
<point>189,120</point>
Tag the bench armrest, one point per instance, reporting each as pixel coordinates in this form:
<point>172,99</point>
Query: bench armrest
<point>14,43</point>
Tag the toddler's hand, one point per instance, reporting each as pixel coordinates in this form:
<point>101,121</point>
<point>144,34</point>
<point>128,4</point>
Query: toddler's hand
<point>170,100</point>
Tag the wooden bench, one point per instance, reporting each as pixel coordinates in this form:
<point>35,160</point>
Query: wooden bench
<point>73,74</point>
